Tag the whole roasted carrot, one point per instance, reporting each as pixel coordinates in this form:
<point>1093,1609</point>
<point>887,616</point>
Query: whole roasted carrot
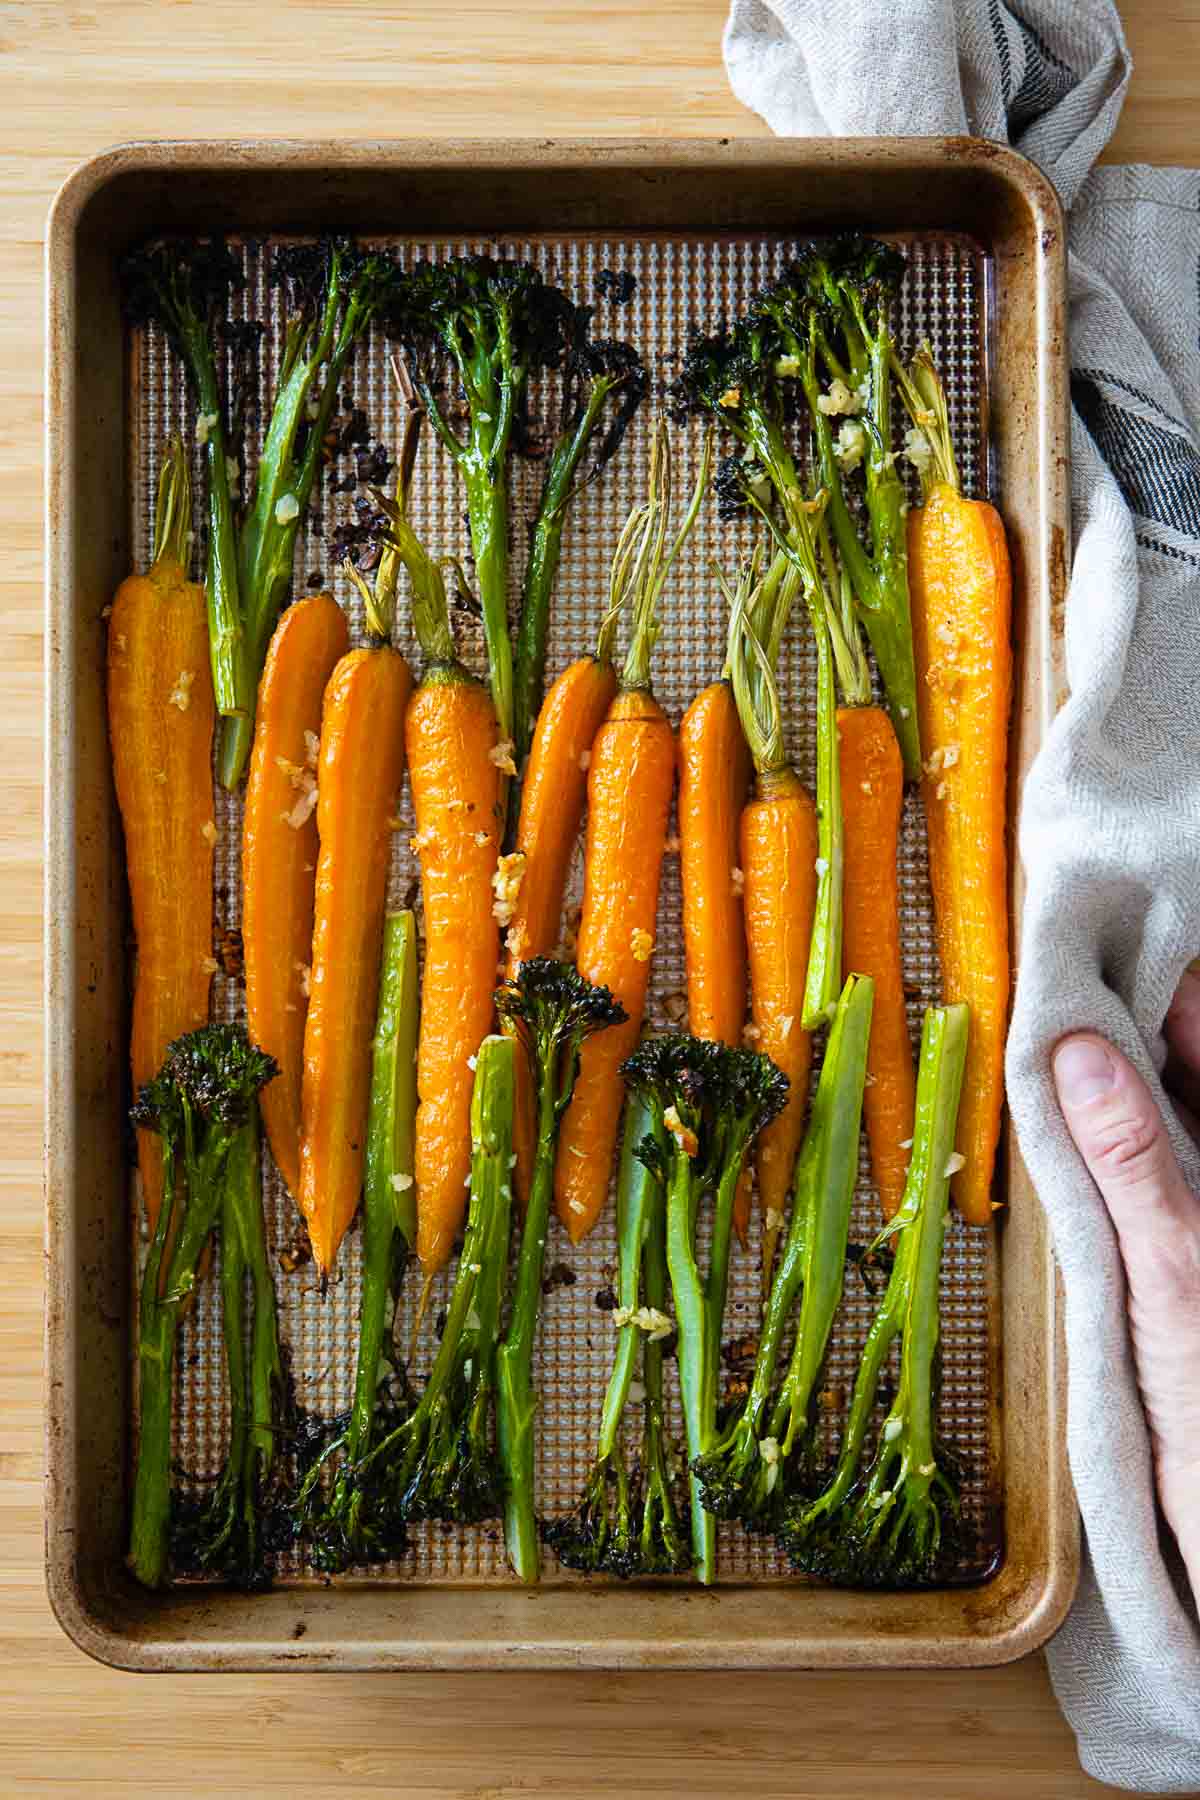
<point>160,718</point>
<point>279,856</point>
<point>456,763</point>
<point>962,599</point>
<point>779,854</point>
<point>360,767</point>
<point>554,795</point>
<point>630,779</point>
<point>359,770</point>
<point>552,801</point>
<point>714,775</point>
<point>872,795</point>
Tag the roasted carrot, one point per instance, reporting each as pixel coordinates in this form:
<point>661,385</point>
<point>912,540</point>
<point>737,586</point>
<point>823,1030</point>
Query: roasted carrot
<point>779,853</point>
<point>456,765</point>
<point>962,598</point>
<point>630,780</point>
<point>872,795</point>
<point>360,767</point>
<point>279,856</point>
<point>552,801</point>
<point>554,795</point>
<point>714,775</point>
<point>160,719</point>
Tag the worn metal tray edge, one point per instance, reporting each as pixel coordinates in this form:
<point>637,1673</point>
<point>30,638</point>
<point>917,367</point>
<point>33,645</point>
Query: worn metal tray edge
<point>357,1626</point>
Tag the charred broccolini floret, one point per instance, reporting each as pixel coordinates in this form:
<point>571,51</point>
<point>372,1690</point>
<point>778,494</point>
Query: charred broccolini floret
<point>627,1522</point>
<point>202,1103</point>
<point>552,1010</point>
<point>707,1104</point>
<point>603,383</point>
<point>747,1472</point>
<point>896,1525</point>
<point>493,323</point>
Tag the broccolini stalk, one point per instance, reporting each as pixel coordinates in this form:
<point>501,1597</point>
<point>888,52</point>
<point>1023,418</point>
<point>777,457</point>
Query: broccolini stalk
<point>336,290</point>
<point>349,1525</point>
<point>626,1523</point>
<point>710,1102</point>
<point>201,1103</point>
<point>233,1533</point>
<point>603,377</point>
<point>893,1527</point>
<point>553,1011</point>
<point>438,1464</point>
<point>495,323</point>
<point>831,309</point>
<point>185,287</point>
<point>743,1475</point>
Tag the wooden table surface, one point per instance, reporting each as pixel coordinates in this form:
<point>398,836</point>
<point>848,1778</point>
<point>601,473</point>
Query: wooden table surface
<point>77,77</point>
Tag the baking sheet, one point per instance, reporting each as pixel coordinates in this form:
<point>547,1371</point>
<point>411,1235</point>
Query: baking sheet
<point>681,282</point>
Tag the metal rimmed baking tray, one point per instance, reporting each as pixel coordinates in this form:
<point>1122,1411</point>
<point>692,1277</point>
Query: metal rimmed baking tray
<point>698,222</point>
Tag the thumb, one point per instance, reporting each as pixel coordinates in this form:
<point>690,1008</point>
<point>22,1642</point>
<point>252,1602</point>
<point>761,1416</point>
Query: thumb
<point>1119,1132</point>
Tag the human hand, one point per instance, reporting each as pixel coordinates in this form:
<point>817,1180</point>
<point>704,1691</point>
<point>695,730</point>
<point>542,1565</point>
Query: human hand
<point>1120,1135</point>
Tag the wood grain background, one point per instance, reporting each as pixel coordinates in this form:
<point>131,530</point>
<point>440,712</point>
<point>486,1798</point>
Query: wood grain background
<point>73,80</point>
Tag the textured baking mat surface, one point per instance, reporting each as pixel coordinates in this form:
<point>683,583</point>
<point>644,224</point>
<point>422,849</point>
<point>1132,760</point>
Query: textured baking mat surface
<point>681,282</point>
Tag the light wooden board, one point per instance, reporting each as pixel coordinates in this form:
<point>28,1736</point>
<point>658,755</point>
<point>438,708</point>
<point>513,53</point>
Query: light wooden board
<point>73,79</point>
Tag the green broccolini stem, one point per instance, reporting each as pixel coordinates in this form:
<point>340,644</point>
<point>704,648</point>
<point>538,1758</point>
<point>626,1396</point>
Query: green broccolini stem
<point>655,1283</point>
<point>695,1369</point>
<point>639,1200</point>
<point>157,1323</point>
<point>391,1115</point>
<point>826,1176</point>
<point>908,1433</point>
<point>825,956</point>
<point>487,512</point>
<point>516,1400</point>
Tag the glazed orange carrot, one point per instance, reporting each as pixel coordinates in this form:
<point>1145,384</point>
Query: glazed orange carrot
<point>962,597</point>
<point>359,770</point>
<point>779,852</point>
<point>630,780</point>
<point>279,856</point>
<point>554,795</point>
<point>552,802</point>
<point>456,766</point>
<point>160,720</point>
<point>452,735</point>
<point>872,795</point>
<point>714,775</point>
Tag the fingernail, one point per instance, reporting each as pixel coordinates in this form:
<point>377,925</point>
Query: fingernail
<point>1083,1071</point>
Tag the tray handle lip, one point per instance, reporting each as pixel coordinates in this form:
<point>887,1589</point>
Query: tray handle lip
<point>135,155</point>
